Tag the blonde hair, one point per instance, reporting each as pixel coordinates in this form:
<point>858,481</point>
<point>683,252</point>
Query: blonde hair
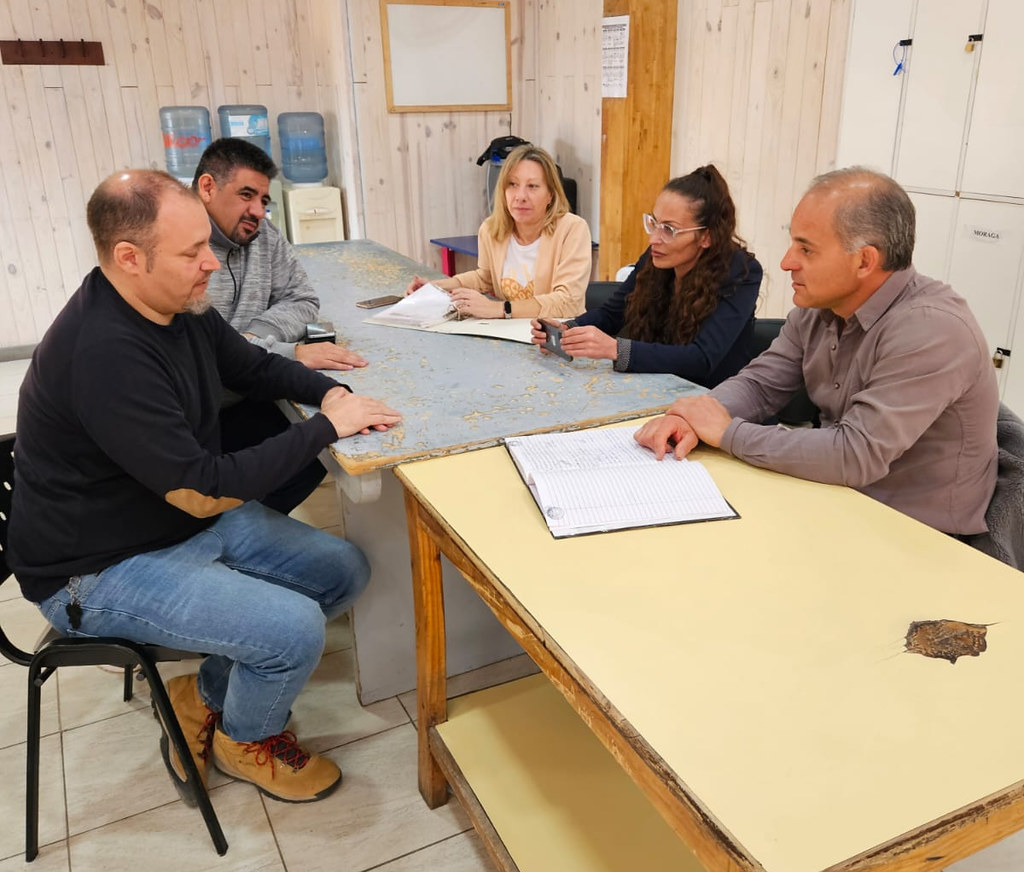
<point>500,222</point>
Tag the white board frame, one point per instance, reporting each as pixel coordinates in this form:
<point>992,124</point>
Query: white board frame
<point>446,55</point>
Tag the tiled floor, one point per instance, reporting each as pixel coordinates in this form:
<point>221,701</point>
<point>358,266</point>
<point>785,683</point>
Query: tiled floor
<point>107,803</point>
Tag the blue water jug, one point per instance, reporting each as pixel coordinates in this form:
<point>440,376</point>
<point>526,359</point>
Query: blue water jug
<point>303,150</point>
<point>186,131</point>
<point>248,121</point>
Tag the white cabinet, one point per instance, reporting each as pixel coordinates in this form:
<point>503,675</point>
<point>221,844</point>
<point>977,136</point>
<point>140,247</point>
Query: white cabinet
<point>955,146</point>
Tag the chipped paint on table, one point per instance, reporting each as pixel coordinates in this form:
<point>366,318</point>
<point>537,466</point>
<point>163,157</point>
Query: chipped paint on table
<point>458,392</point>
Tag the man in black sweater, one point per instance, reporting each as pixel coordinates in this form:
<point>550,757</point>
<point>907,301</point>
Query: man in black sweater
<point>129,521</point>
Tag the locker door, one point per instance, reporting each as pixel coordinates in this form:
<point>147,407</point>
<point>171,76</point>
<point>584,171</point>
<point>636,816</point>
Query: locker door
<point>993,163</point>
<point>935,217</point>
<point>938,90</point>
<point>988,242</point>
<point>871,93</point>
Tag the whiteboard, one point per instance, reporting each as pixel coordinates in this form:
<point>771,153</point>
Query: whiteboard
<point>447,55</point>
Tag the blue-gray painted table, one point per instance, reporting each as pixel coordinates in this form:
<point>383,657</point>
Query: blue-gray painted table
<point>456,393</point>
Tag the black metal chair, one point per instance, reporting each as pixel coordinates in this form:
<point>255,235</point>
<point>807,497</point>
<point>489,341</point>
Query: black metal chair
<point>598,293</point>
<point>799,411</point>
<point>55,650</point>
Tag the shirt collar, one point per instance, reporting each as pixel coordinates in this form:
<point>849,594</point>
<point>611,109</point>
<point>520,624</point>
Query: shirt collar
<point>875,306</point>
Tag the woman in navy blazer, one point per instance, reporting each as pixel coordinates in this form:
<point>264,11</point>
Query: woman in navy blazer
<point>688,307</point>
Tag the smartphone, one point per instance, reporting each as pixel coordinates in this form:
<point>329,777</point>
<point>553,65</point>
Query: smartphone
<point>377,302</point>
<point>320,331</point>
<point>553,338</point>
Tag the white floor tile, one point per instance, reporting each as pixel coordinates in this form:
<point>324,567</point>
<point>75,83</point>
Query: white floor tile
<point>89,694</point>
<point>376,815</point>
<point>51,858</point>
<point>339,634</point>
<point>14,693</point>
<point>328,714</point>
<point>114,770</point>
<point>174,837</point>
<point>52,826</point>
<point>1004,856</point>
<point>462,853</point>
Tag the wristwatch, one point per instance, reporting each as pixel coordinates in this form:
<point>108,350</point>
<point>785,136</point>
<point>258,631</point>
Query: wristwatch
<point>508,308</point>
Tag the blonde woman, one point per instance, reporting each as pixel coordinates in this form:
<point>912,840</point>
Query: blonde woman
<point>534,255</point>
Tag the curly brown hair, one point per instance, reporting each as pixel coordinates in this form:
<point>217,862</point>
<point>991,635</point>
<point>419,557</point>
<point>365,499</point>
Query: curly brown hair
<point>664,308</point>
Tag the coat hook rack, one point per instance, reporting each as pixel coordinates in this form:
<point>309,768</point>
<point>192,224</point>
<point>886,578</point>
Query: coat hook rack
<point>51,52</point>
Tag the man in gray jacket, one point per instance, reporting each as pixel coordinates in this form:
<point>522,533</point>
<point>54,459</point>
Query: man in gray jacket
<point>262,291</point>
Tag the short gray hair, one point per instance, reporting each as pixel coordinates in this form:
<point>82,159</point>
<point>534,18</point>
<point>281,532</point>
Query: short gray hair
<point>874,210</point>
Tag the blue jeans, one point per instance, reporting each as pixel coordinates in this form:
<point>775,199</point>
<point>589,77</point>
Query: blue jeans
<point>253,591</point>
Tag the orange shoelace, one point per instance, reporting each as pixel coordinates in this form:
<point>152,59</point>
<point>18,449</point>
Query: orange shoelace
<point>284,747</point>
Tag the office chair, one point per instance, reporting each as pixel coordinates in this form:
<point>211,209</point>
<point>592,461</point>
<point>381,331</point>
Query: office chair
<point>55,650</point>
<point>1005,514</point>
<point>598,293</point>
<point>799,411</point>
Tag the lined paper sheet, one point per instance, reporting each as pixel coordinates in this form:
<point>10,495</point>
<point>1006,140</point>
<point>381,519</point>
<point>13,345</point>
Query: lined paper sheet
<point>599,480</point>
<point>425,307</point>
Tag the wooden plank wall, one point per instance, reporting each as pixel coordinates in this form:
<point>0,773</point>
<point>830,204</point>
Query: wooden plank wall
<point>758,88</point>
<point>63,129</point>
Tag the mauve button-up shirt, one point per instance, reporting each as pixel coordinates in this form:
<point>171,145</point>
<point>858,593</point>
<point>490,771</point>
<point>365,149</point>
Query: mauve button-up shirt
<point>908,401</point>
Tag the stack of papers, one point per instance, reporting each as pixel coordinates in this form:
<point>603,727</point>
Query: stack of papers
<point>592,481</point>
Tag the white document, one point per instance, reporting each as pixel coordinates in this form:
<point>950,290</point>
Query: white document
<point>430,308</point>
<point>424,308</point>
<point>593,481</point>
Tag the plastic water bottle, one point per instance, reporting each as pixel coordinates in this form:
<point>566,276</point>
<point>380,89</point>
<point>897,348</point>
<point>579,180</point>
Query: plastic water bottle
<point>248,121</point>
<point>303,151</point>
<point>186,132</point>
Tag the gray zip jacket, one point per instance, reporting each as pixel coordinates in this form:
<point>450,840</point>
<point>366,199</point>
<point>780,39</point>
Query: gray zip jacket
<point>262,289</point>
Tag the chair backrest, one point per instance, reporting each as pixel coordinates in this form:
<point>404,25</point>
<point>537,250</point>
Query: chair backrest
<point>1005,515</point>
<point>7,648</point>
<point>598,293</point>
<point>799,410</point>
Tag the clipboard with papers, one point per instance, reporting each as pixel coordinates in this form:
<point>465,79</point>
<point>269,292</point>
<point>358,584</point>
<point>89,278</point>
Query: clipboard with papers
<point>596,481</point>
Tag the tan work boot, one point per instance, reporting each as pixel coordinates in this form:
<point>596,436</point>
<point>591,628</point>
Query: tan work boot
<point>277,766</point>
<point>197,722</point>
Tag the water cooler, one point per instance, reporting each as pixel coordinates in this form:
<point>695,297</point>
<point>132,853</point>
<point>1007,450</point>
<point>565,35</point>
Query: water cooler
<point>186,133</point>
<point>313,211</point>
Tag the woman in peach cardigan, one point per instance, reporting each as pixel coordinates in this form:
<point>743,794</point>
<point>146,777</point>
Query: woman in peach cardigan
<point>534,257</point>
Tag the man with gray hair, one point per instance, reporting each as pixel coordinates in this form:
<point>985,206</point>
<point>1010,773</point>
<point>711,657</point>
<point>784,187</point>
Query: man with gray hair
<point>894,360</point>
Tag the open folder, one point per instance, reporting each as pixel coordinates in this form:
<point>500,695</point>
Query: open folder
<point>593,481</point>
<point>430,308</point>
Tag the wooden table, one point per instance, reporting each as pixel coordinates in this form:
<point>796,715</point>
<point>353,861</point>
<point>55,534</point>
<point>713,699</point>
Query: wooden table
<point>457,393</point>
<point>452,245</point>
<point>751,676</point>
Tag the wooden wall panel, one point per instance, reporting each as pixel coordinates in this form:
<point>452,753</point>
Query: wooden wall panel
<point>758,84</point>
<point>750,75</point>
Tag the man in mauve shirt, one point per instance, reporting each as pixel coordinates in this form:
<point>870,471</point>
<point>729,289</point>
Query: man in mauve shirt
<point>894,360</point>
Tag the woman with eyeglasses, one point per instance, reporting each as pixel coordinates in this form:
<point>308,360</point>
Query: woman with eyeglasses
<point>534,257</point>
<point>688,307</point>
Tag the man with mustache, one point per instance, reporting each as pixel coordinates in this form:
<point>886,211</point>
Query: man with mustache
<point>263,292</point>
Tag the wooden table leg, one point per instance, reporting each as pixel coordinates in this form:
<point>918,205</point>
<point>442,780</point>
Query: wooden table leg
<point>431,669</point>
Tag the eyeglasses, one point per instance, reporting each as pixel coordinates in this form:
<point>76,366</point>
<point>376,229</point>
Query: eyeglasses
<point>667,231</point>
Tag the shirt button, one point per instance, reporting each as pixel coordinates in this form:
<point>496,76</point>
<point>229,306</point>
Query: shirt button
<point>833,346</point>
<point>836,386</point>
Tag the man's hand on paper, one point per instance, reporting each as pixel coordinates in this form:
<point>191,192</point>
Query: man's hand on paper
<point>473,304</point>
<point>688,420</point>
<point>327,355</point>
<point>355,413</point>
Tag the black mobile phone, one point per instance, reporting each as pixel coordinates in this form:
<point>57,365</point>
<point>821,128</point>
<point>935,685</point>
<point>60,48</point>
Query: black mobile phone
<point>377,302</point>
<point>553,338</point>
<point>320,331</point>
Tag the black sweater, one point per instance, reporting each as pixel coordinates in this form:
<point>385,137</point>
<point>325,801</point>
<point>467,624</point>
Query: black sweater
<point>118,449</point>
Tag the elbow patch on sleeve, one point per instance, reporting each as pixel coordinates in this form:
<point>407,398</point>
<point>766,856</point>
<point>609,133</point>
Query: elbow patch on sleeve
<point>200,505</point>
